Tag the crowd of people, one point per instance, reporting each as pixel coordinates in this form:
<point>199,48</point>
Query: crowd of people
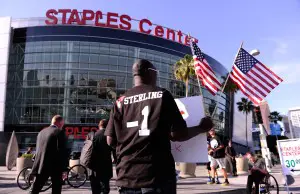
<point>138,133</point>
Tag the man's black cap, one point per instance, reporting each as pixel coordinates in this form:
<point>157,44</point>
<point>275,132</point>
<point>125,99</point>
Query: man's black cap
<point>141,67</point>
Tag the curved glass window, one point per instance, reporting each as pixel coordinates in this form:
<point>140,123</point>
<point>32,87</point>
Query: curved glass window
<point>81,80</point>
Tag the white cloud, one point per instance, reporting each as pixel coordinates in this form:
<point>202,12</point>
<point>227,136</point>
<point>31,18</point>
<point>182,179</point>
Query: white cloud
<point>281,46</point>
<point>290,73</point>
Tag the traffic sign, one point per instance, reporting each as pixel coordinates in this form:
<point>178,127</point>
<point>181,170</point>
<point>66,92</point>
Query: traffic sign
<point>289,152</point>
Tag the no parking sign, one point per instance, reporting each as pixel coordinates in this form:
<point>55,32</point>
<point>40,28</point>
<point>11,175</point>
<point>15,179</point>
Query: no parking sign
<point>289,152</point>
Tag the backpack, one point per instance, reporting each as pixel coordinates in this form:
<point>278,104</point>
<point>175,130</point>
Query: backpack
<point>87,152</point>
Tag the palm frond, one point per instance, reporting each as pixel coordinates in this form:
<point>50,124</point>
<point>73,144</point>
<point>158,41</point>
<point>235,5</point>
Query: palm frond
<point>275,116</point>
<point>230,85</point>
<point>184,69</point>
<point>245,106</point>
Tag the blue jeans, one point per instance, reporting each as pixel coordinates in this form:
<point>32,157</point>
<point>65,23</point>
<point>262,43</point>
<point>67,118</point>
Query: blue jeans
<point>168,188</point>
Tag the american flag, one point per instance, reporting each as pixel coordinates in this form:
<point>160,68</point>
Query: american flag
<point>253,78</point>
<point>204,71</point>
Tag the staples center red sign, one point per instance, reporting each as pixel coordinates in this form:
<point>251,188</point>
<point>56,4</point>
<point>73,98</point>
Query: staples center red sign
<point>113,20</point>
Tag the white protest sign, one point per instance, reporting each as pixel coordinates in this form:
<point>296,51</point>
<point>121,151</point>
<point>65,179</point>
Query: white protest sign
<point>289,152</point>
<point>195,149</point>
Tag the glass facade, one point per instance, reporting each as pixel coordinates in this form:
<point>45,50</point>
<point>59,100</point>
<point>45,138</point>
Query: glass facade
<point>81,80</point>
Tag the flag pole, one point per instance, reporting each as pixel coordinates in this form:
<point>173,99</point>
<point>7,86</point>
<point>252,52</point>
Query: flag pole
<point>226,81</point>
<point>200,92</point>
<point>199,84</point>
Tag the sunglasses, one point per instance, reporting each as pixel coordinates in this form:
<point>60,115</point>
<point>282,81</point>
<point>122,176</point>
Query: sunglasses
<point>157,71</point>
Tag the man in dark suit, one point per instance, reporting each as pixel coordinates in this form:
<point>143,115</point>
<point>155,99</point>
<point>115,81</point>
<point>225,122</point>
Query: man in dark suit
<point>51,157</point>
<point>101,171</point>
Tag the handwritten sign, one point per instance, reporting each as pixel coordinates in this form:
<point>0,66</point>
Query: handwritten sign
<point>289,152</point>
<point>195,149</point>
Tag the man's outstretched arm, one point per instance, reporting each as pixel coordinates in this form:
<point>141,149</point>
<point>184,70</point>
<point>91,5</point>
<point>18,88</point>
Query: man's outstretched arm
<point>188,133</point>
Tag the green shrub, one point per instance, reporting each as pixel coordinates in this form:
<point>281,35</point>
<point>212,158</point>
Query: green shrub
<point>30,156</point>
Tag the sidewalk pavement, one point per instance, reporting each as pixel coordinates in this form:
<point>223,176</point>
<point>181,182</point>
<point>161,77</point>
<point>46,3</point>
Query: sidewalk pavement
<point>185,186</point>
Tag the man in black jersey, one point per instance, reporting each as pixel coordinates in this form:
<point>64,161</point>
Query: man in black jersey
<point>141,125</point>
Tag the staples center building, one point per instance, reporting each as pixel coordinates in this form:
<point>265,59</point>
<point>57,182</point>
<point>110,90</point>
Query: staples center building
<point>76,64</point>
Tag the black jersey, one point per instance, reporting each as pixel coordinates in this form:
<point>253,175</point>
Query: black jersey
<point>141,122</point>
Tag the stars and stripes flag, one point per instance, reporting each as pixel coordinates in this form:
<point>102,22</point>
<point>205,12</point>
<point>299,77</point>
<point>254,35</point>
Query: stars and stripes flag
<point>253,78</point>
<point>203,70</point>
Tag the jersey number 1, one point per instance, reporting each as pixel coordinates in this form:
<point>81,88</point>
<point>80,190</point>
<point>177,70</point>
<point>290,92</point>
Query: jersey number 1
<point>144,131</point>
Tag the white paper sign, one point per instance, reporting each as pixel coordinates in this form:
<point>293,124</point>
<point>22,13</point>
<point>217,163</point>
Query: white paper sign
<point>289,152</point>
<point>195,149</point>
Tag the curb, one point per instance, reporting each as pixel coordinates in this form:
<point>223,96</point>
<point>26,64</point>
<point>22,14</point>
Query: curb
<point>234,191</point>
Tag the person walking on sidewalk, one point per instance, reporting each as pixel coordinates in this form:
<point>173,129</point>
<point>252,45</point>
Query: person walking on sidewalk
<point>218,157</point>
<point>209,168</point>
<point>51,157</point>
<point>141,125</point>
<point>230,157</point>
<point>101,171</point>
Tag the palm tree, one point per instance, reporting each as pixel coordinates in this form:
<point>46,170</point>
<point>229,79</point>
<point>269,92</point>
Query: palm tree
<point>230,87</point>
<point>184,71</point>
<point>275,116</point>
<point>246,107</point>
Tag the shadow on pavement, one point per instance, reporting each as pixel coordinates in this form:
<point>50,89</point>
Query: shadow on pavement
<point>191,183</point>
<point>8,185</point>
<point>8,179</point>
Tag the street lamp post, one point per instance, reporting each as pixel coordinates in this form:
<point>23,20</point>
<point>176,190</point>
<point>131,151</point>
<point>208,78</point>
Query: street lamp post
<point>263,140</point>
<point>254,52</point>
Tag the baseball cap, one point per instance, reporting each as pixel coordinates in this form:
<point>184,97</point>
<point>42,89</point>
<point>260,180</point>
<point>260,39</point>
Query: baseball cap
<point>141,66</point>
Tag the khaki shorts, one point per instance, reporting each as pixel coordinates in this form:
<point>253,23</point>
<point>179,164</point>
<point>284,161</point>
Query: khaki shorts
<point>217,161</point>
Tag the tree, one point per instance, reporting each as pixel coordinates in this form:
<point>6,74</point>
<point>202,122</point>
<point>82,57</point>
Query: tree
<point>246,107</point>
<point>230,87</point>
<point>184,71</point>
<point>275,116</point>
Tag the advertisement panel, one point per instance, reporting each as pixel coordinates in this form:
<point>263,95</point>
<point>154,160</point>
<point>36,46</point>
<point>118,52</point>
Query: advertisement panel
<point>289,152</point>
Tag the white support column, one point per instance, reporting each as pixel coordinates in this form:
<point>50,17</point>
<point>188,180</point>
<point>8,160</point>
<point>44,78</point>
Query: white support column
<point>5,40</point>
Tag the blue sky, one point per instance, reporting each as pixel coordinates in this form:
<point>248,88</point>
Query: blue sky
<point>272,26</point>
